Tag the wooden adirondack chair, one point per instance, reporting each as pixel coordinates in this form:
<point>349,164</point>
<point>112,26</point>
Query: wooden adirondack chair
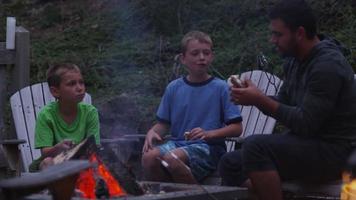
<point>25,106</point>
<point>254,121</point>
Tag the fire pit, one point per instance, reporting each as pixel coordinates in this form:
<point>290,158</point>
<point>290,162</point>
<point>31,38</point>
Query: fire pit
<point>112,178</point>
<point>163,191</point>
<point>157,190</point>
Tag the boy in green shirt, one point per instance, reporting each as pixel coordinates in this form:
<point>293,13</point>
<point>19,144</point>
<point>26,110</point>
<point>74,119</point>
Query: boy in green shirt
<point>67,121</point>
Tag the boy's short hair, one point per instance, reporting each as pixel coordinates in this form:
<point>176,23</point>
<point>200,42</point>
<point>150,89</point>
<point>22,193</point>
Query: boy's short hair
<point>295,13</point>
<point>195,35</point>
<point>55,72</point>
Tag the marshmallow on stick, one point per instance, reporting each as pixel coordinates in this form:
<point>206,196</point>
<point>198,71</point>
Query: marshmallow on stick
<point>234,80</point>
<point>186,135</point>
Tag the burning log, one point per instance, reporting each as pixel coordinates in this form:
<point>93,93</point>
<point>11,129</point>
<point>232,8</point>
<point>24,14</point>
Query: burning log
<point>122,172</point>
<point>101,181</point>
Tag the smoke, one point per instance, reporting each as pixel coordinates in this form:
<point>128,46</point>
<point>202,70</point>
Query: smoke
<point>119,119</point>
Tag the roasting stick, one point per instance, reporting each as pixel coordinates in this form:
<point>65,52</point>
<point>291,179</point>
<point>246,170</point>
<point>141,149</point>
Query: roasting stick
<point>163,162</point>
<point>200,186</point>
<point>179,160</point>
<point>166,165</point>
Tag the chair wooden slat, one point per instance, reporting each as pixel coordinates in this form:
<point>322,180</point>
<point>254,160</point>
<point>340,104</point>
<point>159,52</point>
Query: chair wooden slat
<point>38,100</point>
<point>270,122</point>
<point>265,124</point>
<point>30,120</point>
<point>254,121</point>
<point>47,94</point>
<point>87,98</point>
<point>262,84</point>
<point>20,126</point>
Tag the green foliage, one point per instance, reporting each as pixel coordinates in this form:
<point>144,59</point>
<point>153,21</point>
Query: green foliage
<point>129,46</point>
<point>240,29</point>
<point>51,15</point>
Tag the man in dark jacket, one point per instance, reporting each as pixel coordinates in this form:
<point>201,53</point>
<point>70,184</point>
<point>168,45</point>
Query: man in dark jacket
<point>317,103</point>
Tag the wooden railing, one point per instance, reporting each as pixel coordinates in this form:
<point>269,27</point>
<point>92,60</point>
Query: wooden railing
<point>14,74</point>
<point>14,68</point>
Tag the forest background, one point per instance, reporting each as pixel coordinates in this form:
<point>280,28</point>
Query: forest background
<point>126,48</point>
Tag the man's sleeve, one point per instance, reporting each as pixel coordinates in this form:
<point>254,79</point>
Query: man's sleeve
<point>317,104</point>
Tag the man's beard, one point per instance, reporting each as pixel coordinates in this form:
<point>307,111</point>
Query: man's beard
<point>290,50</point>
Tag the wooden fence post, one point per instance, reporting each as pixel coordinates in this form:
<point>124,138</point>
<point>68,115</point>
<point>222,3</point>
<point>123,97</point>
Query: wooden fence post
<point>20,76</point>
<point>10,82</point>
<point>3,88</point>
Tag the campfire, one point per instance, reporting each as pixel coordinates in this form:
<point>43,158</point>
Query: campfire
<point>112,178</point>
<point>99,181</point>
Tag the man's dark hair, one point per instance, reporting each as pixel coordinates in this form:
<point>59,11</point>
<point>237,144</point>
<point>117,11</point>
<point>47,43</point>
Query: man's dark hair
<point>295,13</point>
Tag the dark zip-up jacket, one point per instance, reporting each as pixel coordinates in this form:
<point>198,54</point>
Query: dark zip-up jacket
<point>318,95</point>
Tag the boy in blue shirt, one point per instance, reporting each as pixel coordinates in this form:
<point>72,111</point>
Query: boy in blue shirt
<point>198,105</point>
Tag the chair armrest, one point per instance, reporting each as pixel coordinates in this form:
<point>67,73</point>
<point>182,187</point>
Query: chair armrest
<point>10,149</point>
<point>12,142</point>
<point>53,177</point>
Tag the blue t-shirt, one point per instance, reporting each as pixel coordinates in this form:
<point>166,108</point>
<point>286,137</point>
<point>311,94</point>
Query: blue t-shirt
<point>186,105</point>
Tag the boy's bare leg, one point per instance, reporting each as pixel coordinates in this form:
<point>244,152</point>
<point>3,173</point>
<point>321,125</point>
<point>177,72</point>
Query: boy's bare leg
<point>267,185</point>
<point>178,167</point>
<point>152,168</point>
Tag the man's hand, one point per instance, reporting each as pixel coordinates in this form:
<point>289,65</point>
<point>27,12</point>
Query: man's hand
<point>151,136</point>
<point>249,95</point>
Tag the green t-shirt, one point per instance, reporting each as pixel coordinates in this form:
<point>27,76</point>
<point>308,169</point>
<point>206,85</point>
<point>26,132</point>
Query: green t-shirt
<point>52,129</point>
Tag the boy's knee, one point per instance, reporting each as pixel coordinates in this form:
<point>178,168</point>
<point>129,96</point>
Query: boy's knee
<point>149,158</point>
<point>172,162</point>
<point>175,165</point>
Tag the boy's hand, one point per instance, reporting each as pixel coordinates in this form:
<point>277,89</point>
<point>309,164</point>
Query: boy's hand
<point>197,133</point>
<point>63,146</point>
<point>151,136</point>
<point>57,149</point>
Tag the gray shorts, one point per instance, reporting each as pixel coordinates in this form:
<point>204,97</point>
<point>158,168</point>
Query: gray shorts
<point>201,161</point>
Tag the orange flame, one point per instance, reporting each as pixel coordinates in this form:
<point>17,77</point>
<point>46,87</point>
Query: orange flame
<point>86,182</point>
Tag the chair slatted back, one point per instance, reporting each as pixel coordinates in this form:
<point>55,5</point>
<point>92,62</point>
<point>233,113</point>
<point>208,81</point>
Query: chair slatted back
<point>254,121</point>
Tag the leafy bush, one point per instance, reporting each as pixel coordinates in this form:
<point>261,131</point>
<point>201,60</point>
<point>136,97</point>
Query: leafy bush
<point>130,46</point>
